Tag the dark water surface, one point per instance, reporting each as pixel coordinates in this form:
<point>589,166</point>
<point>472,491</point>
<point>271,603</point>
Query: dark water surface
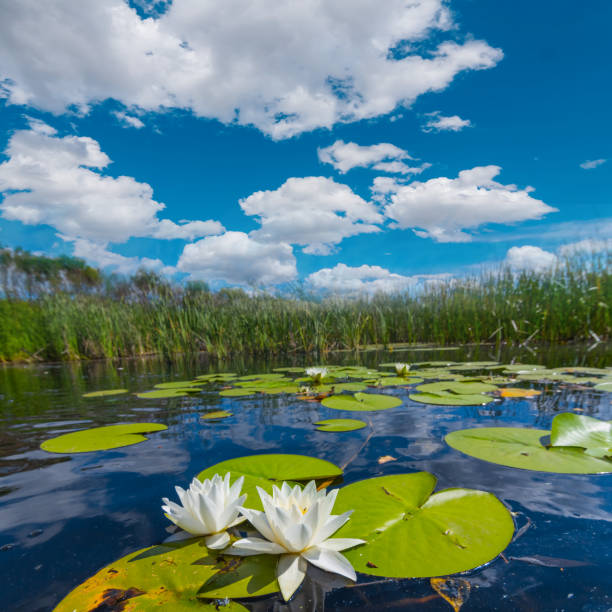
<point>63,517</point>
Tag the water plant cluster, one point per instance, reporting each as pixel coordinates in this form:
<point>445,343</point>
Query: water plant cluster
<point>251,525</point>
<point>148,315</point>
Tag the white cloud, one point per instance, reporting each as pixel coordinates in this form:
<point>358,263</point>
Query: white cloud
<point>236,258</point>
<point>586,246</point>
<point>97,255</point>
<point>442,208</point>
<point>128,120</point>
<point>58,181</point>
<point>362,279</point>
<point>589,164</point>
<point>440,123</point>
<point>285,67</point>
<point>384,157</point>
<point>530,258</point>
<point>314,212</point>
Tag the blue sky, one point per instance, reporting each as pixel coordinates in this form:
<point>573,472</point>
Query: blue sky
<point>339,144</point>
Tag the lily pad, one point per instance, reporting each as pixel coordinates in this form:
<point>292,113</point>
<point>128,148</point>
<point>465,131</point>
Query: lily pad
<point>458,387</point>
<point>519,392</point>
<point>105,393</point>
<point>517,368</point>
<point>218,377</point>
<point>216,414</point>
<point>361,402</point>
<point>238,392</point>
<point>101,438</point>
<point>163,393</point>
<point>174,576</point>
<point>412,533</point>
<point>180,384</point>
<point>522,448</point>
<point>340,425</point>
<point>445,398</point>
<point>604,386</point>
<point>593,435</point>
<point>396,381</point>
<point>266,470</point>
<point>349,386</point>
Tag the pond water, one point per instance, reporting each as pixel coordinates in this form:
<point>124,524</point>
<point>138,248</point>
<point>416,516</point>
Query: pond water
<point>63,517</point>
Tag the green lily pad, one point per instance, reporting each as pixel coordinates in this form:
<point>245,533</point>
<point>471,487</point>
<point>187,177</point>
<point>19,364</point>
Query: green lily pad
<point>163,393</point>
<point>446,398</point>
<point>411,533</point>
<point>238,392</point>
<point>522,448</point>
<point>101,438</point>
<point>257,377</point>
<point>218,377</point>
<point>181,384</point>
<point>593,435</point>
<point>361,401</point>
<point>216,414</point>
<point>604,386</point>
<point>396,381</point>
<point>459,387</point>
<point>516,368</point>
<point>105,393</point>
<point>266,470</point>
<point>349,386</point>
<point>340,425</point>
<point>174,576</point>
<point>293,370</point>
<point>436,374</point>
<point>473,365</point>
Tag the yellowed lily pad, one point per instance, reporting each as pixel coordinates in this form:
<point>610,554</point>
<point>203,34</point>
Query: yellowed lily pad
<point>105,393</point>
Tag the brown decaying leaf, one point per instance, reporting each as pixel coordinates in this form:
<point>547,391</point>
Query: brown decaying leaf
<point>518,392</point>
<point>456,591</point>
<point>386,459</point>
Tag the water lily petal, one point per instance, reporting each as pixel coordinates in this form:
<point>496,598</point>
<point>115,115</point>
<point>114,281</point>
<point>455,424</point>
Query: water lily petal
<point>291,571</point>
<point>217,540</point>
<point>254,546</point>
<point>330,561</point>
<point>332,525</point>
<point>260,522</point>
<point>340,543</point>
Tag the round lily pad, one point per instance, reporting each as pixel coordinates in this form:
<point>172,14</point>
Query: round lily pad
<point>216,414</point>
<point>593,435</point>
<point>604,386</point>
<point>396,381</point>
<point>266,470</point>
<point>458,387</point>
<point>238,392</point>
<point>446,398</point>
<point>174,576</point>
<point>522,448</point>
<point>340,425</point>
<point>349,386</point>
<point>163,393</point>
<point>362,402</point>
<point>180,384</point>
<point>105,393</point>
<point>516,368</point>
<point>412,533</point>
<point>101,438</point>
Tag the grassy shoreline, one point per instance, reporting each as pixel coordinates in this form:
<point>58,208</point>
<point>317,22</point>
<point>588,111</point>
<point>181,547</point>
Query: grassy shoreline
<point>568,303</point>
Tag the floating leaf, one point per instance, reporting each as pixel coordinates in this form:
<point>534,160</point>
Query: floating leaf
<point>519,392</point>
<point>238,392</point>
<point>218,377</point>
<point>181,384</point>
<point>604,386</point>
<point>362,401</point>
<point>350,386</point>
<point>473,365</point>
<point>170,577</point>
<point>295,370</point>
<point>521,448</point>
<point>340,425</point>
<point>460,387</point>
<point>593,435</point>
<point>101,438</point>
<point>455,591</point>
<point>395,381</point>
<point>163,393</point>
<point>523,367</point>
<point>217,414</point>
<point>257,377</point>
<point>105,393</point>
<point>411,533</point>
<point>266,470</point>
<point>445,398</point>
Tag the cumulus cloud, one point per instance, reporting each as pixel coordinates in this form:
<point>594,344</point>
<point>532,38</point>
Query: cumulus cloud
<point>366,280</point>
<point>128,120</point>
<point>58,181</point>
<point>385,157</point>
<point>586,246</point>
<point>285,67</point>
<point>442,208</point>
<point>314,212</point>
<point>530,258</point>
<point>99,256</point>
<point>441,123</point>
<point>236,258</point>
<point>589,164</point>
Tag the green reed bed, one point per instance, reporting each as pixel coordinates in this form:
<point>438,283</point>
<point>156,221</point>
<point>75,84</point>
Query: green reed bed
<point>571,302</point>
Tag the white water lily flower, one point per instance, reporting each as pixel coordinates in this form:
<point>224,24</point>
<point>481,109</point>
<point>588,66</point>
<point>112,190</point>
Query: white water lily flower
<point>402,368</point>
<point>297,524</point>
<point>208,508</point>
<point>317,374</point>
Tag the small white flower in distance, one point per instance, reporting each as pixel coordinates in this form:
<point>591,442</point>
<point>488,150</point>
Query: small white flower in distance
<point>317,374</point>
<point>208,509</point>
<point>402,368</point>
<point>297,524</point>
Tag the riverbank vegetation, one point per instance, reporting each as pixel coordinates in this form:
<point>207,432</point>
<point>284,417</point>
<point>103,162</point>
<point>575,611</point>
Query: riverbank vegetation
<point>62,309</point>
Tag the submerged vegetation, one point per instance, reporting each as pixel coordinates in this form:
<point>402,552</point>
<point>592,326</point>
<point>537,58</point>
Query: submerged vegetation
<point>61,309</point>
